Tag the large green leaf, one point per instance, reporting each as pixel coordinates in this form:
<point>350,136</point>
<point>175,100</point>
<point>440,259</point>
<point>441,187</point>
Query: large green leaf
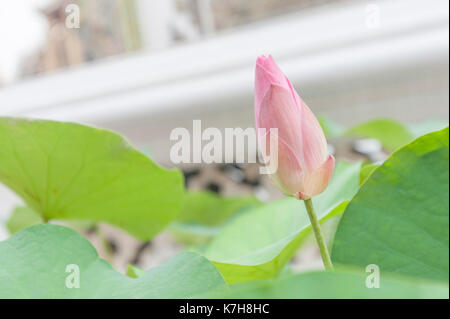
<point>34,263</point>
<point>399,218</point>
<point>334,285</point>
<point>204,213</point>
<point>259,243</point>
<point>70,171</point>
<point>390,133</point>
<point>366,171</point>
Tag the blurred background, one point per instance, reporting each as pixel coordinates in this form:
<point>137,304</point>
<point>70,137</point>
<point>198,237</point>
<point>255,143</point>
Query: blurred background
<point>144,67</point>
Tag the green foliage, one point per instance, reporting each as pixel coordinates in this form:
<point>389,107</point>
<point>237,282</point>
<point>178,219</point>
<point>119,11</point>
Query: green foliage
<point>134,272</point>
<point>35,261</point>
<point>390,133</point>
<point>21,218</point>
<point>366,171</point>
<point>81,175</point>
<point>259,243</point>
<point>71,171</point>
<point>425,127</point>
<point>208,208</point>
<point>330,128</point>
<point>204,213</point>
<point>335,285</point>
<point>399,220</point>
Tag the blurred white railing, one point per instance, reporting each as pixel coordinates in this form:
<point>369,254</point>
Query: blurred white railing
<point>329,44</point>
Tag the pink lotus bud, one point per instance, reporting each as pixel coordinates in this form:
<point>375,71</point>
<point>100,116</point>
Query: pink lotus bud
<point>304,165</point>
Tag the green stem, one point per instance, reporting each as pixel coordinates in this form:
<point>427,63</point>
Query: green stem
<point>319,235</point>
